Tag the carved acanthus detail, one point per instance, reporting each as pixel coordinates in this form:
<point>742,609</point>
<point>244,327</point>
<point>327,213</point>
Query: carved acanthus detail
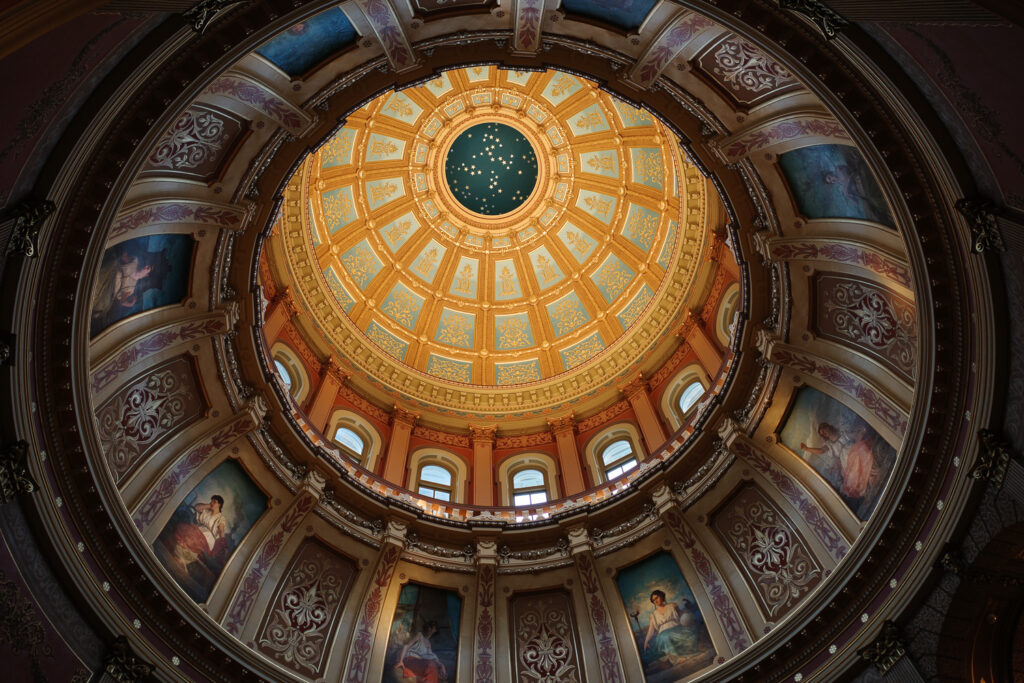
<point>14,474</point>
<point>993,458</point>
<point>887,649</point>
<point>28,217</point>
<point>981,217</point>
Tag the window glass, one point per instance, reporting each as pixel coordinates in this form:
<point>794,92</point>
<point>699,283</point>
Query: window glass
<point>691,394</point>
<point>282,371</point>
<point>616,451</point>
<point>435,474</point>
<point>528,488</point>
<point>349,439</point>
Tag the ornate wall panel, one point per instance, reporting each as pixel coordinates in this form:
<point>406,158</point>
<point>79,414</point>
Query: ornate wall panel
<point>864,315</point>
<point>305,610</point>
<point>545,641</point>
<point>147,411</point>
<point>197,145</point>
<point>748,75</point>
<point>772,555</point>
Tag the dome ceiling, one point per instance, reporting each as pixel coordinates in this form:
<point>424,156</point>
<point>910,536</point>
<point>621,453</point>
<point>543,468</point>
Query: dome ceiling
<point>494,228</point>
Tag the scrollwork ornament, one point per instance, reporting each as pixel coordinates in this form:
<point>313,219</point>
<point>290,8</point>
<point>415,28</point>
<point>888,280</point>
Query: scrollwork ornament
<point>829,21</point>
<point>14,474</point>
<point>981,217</point>
<point>993,458</point>
<point>28,217</point>
<point>123,666</point>
<point>887,649</point>
<point>203,12</point>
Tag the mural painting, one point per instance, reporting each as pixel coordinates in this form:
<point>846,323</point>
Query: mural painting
<point>844,449</point>
<point>627,15</point>
<point>306,44</point>
<point>207,526</point>
<point>139,275</point>
<point>832,181</point>
<point>669,628</point>
<point>424,641</point>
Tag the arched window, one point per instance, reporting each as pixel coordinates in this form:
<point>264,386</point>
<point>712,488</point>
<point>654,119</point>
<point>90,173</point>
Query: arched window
<point>682,394</point>
<point>435,481</point>
<point>689,396</point>
<point>286,377</point>
<point>529,487</point>
<point>354,436</point>
<point>343,436</point>
<point>289,368</point>
<point>618,458</point>
<point>438,474</point>
<point>725,321</point>
<point>614,451</point>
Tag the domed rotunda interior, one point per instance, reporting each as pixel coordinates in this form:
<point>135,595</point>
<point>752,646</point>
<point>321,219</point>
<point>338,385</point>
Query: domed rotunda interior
<point>526,341</point>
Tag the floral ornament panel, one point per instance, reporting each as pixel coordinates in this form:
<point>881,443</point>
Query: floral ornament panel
<point>304,613</point>
<point>544,638</point>
<point>773,556</point>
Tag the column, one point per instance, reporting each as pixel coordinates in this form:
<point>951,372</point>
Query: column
<point>726,610</point>
<point>483,464</point>
<point>373,598</point>
<point>483,639</point>
<point>692,332</point>
<point>280,311</point>
<point>331,379</point>
<point>597,606</point>
<point>242,602</point>
<point>650,426</point>
<point>397,458</point>
<point>564,431</point>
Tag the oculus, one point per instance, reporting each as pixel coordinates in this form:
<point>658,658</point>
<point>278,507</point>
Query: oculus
<point>491,168</point>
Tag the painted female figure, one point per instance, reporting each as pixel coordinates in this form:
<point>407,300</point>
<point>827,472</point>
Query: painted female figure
<point>674,630</point>
<point>418,661</point>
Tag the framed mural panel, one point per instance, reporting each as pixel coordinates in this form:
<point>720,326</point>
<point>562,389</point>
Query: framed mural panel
<point>841,447</point>
<point>207,526</point>
<point>832,181</point>
<point>423,646</point>
<point>669,628</point>
<point>307,44</point>
<point>139,275</point>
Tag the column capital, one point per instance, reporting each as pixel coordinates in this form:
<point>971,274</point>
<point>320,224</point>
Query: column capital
<point>634,386</point>
<point>404,416</point>
<point>486,433</point>
<point>563,424</point>
<point>689,322</point>
<point>331,367</point>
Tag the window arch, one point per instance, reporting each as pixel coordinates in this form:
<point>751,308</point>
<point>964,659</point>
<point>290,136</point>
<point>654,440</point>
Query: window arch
<point>435,481</point>
<point>438,474</point>
<point>290,370</point>
<point>682,394</point>
<point>617,458</point>
<point>528,479</point>
<point>725,320</point>
<point>614,451</point>
<point>355,437</point>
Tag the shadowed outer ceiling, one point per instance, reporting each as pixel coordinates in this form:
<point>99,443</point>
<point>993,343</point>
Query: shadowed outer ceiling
<point>113,522</point>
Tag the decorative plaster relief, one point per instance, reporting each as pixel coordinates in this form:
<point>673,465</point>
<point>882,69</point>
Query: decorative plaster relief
<point>148,410</point>
<point>822,129</point>
<point>608,653</point>
<point>484,672</point>
<point>182,211</point>
<point>869,318</point>
<point>196,145</point>
<point>527,24</point>
<point>830,250</point>
<point>741,69</point>
<point>666,46</point>
<point>544,639</point>
<point>773,556</point>
<point>261,98</point>
<point>809,510</point>
<point>389,30</point>
<point>305,611</point>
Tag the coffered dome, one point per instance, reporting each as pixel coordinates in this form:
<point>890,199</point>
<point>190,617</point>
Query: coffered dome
<point>571,288</point>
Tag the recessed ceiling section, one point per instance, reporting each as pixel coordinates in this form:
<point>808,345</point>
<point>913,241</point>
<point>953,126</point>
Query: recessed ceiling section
<point>493,234</point>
